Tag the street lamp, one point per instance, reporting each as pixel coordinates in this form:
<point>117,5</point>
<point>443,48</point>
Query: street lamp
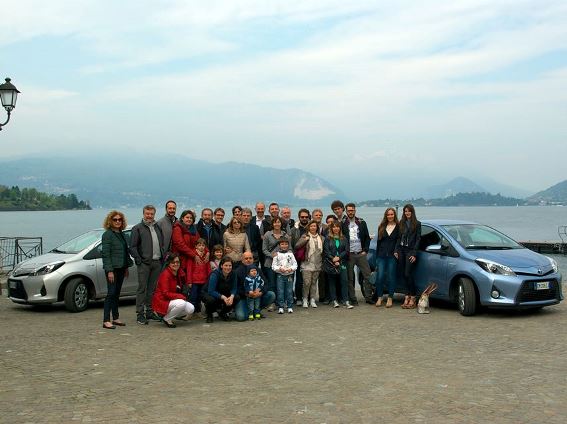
<point>8,95</point>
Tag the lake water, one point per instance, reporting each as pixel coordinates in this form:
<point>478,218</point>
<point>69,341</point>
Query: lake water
<point>523,223</point>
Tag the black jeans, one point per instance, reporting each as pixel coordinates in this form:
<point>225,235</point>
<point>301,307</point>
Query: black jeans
<point>298,289</point>
<point>406,268</point>
<point>213,304</point>
<point>112,294</point>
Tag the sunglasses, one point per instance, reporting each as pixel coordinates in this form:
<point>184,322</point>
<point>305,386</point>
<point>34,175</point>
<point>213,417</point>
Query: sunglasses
<point>117,219</point>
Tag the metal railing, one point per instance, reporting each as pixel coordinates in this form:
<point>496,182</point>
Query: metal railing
<point>14,250</point>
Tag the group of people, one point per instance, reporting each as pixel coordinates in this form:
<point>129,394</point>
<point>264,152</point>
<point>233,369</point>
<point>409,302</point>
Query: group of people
<point>256,261</point>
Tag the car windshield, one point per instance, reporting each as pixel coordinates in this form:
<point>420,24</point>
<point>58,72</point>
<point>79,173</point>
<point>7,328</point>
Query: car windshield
<point>476,237</point>
<point>79,243</point>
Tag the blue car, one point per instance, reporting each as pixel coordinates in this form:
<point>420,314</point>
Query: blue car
<point>474,265</point>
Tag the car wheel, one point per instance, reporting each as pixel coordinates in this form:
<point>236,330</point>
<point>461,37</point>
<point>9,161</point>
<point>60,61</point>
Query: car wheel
<point>466,297</point>
<point>76,295</point>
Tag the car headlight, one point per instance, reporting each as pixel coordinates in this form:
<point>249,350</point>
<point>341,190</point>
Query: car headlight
<point>553,264</point>
<point>495,268</point>
<point>46,269</point>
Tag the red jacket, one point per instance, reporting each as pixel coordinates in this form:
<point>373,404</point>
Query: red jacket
<point>183,243</point>
<point>200,272</point>
<point>166,290</point>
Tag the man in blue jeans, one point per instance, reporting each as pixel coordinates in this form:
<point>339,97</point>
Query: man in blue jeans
<point>267,297</point>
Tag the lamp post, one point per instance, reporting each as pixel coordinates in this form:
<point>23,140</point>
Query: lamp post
<point>8,95</point>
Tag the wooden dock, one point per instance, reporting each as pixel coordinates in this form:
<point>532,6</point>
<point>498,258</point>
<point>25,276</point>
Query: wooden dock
<point>549,247</point>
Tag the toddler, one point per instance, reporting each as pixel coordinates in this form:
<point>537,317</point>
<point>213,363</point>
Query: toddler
<point>253,282</point>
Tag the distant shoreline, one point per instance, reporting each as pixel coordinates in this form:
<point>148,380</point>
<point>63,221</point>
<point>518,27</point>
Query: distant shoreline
<point>42,210</point>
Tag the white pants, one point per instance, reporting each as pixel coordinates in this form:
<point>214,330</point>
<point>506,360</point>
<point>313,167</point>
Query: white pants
<point>178,308</point>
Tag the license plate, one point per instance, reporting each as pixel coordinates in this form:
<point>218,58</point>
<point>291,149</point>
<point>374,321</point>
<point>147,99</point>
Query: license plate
<point>13,284</point>
<point>542,285</point>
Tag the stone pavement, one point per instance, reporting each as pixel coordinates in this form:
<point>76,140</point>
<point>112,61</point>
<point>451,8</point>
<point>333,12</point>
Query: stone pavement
<point>364,365</point>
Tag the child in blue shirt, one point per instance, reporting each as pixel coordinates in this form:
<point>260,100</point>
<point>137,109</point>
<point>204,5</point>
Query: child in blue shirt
<point>253,282</point>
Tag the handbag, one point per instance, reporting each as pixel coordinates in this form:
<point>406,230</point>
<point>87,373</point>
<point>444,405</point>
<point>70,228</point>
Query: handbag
<point>423,303</point>
<point>300,254</point>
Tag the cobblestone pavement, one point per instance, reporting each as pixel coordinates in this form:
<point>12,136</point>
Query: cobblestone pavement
<point>327,365</point>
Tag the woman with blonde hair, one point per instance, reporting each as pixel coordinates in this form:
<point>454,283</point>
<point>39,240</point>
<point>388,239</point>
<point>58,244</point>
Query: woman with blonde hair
<point>235,241</point>
<point>115,262</point>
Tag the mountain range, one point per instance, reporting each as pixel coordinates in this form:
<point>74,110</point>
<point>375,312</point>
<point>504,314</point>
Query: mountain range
<point>138,179</point>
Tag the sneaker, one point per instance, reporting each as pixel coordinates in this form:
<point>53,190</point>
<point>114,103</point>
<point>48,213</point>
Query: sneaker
<point>313,304</point>
<point>250,317</point>
<point>290,310</point>
<point>335,304</point>
<point>271,308</point>
<point>280,310</point>
<point>151,315</point>
<point>304,303</point>
<point>141,320</point>
<point>348,305</point>
<point>258,315</point>
<point>300,302</point>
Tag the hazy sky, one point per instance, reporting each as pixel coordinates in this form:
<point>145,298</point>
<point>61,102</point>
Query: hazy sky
<point>362,89</point>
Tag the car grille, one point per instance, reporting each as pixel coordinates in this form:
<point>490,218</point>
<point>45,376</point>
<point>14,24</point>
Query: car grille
<point>528,293</point>
<point>18,291</point>
<point>551,271</point>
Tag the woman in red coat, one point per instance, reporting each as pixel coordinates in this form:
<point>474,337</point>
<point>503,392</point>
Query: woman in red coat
<point>184,236</point>
<point>168,299</point>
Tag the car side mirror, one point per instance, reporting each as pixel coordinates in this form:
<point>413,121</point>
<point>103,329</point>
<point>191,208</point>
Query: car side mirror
<point>436,248</point>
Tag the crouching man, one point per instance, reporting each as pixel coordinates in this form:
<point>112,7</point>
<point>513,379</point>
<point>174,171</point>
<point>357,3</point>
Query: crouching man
<point>266,297</point>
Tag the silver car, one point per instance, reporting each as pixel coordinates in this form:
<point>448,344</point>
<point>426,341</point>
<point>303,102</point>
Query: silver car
<point>70,273</point>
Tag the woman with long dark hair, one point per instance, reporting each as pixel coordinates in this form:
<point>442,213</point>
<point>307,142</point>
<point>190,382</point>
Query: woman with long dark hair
<point>406,252</point>
<point>115,262</point>
<point>388,232</point>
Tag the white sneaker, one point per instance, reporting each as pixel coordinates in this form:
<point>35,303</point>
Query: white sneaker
<point>348,305</point>
<point>335,304</point>
<point>299,302</point>
<point>289,310</point>
<point>280,310</point>
<point>305,304</point>
<point>313,304</point>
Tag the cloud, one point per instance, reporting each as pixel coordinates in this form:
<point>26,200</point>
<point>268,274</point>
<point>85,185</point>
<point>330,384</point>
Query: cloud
<point>315,76</point>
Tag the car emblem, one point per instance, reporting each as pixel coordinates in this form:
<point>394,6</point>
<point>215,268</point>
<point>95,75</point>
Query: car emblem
<point>539,271</point>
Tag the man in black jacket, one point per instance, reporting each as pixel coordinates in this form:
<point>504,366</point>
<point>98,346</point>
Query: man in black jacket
<point>208,231</point>
<point>356,231</point>
<point>253,233</point>
<point>146,247</point>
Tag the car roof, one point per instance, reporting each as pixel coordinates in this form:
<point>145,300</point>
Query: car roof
<point>441,222</point>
